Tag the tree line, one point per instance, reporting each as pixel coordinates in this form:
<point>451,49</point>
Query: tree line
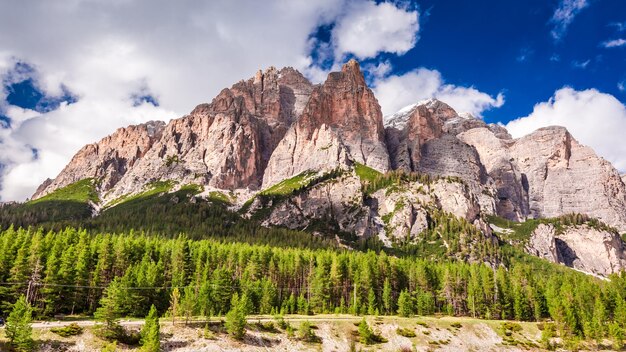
<point>68,272</point>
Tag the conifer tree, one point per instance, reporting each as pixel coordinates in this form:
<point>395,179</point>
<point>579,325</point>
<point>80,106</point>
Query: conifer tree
<point>387,299</point>
<point>174,304</point>
<point>151,334</point>
<point>110,310</point>
<point>405,304</point>
<point>236,317</point>
<point>18,329</point>
<point>371,302</point>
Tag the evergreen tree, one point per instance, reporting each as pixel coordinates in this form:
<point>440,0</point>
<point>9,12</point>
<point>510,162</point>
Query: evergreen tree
<point>188,303</point>
<point>305,332</point>
<point>617,335</point>
<point>18,329</point>
<point>405,304</point>
<point>110,310</point>
<point>174,304</point>
<point>236,317</point>
<point>151,334</point>
<point>371,302</point>
<point>387,298</point>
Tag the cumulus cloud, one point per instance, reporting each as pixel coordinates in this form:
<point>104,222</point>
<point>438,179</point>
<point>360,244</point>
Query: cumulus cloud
<point>397,91</point>
<point>368,28</point>
<point>592,117</point>
<point>121,58</point>
<point>130,61</point>
<point>564,15</point>
<point>614,43</point>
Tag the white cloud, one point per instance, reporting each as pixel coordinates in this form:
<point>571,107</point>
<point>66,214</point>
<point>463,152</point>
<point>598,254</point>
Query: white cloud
<point>581,64</point>
<point>397,91</point>
<point>621,86</point>
<point>367,29</point>
<point>564,15</point>
<point>105,52</point>
<point>619,26</point>
<point>592,117</point>
<point>614,43</point>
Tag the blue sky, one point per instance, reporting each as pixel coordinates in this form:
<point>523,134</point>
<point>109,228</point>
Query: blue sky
<point>507,46</point>
<point>73,72</point>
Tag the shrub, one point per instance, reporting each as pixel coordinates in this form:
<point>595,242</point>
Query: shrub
<point>515,327</point>
<point>405,332</point>
<point>367,336</point>
<point>456,325</point>
<point>67,331</point>
<point>305,332</point>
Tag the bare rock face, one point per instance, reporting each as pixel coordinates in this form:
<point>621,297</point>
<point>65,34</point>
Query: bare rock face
<point>109,159</point>
<point>455,198</point>
<point>335,202</point>
<point>542,243</point>
<point>582,247</point>
<point>510,184</point>
<point>403,212</point>
<point>341,124</point>
<point>422,138</point>
<point>565,177</point>
<point>409,129</point>
<point>548,174</point>
<point>225,144</point>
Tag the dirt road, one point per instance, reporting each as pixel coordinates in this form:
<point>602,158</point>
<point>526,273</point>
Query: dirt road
<point>251,319</point>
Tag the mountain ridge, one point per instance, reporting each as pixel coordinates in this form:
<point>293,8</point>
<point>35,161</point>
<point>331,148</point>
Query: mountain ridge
<point>278,130</point>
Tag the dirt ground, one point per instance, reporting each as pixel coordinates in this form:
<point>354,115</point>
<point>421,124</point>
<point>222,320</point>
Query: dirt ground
<point>334,333</point>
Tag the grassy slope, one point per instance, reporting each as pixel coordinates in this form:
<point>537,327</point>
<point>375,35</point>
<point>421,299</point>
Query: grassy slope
<point>81,191</point>
<point>289,185</point>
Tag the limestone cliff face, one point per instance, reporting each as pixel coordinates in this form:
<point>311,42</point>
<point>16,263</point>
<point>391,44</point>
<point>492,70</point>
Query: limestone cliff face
<point>548,174</point>
<point>109,159</point>
<point>341,124</point>
<point>584,248</point>
<point>225,144</point>
<point>422,138</point>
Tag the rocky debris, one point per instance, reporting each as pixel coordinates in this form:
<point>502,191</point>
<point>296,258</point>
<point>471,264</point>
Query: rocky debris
<point>591,250</point>
<point>456,198</point>
<point>341,124</point>
<point>403,212</point>
<point>542,243</point>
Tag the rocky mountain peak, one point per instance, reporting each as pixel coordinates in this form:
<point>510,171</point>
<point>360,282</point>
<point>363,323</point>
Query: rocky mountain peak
<point>341,124</point>
<point>276,125</point>
<point>109,159</point>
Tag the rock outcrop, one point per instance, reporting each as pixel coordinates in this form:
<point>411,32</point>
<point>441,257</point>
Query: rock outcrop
<point>341,124</point>
<point>547,174</point>
<point>109,159</point>
<point>337,203</point>
<point>225,144</point>
<point>594,251</point>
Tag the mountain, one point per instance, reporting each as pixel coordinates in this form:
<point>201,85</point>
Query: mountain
<point>322,159</point>
<point>341,124</point>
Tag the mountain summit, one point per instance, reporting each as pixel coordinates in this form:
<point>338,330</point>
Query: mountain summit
<point>322,157</point>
